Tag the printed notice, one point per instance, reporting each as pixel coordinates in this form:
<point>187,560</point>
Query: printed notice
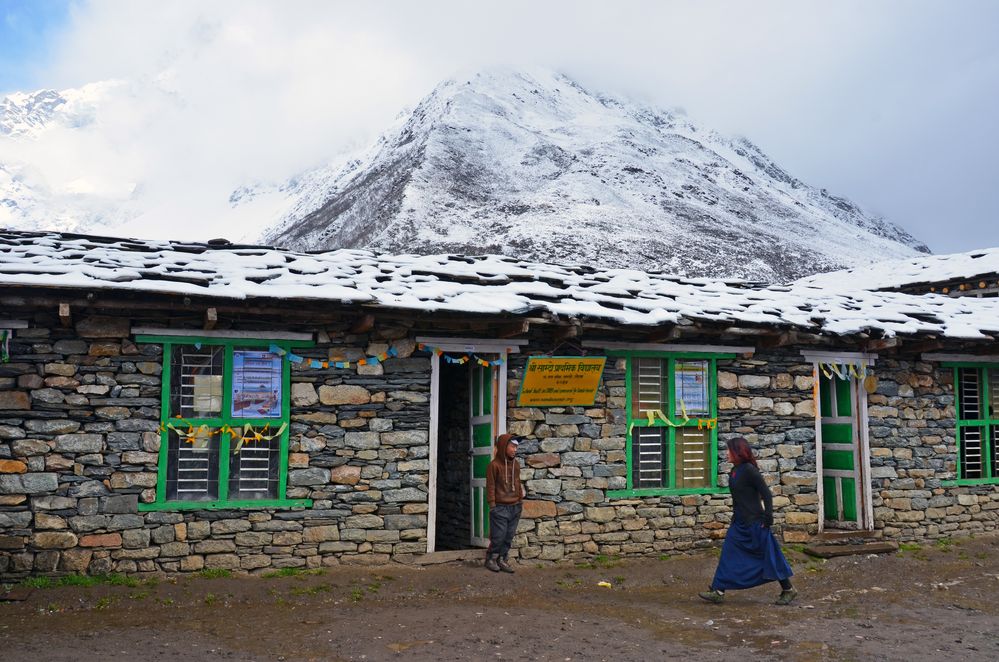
<point>256,384</point>
<point>691,381</point>
<point>561,381</point>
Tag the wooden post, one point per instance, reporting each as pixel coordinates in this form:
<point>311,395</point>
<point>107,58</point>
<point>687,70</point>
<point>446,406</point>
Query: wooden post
<point>211,318</point>
<point>65,318</point>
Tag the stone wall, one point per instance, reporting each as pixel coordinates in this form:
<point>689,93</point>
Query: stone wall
<point>79,414</point>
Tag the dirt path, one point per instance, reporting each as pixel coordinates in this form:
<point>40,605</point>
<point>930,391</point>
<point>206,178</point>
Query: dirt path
<point>931,603</point>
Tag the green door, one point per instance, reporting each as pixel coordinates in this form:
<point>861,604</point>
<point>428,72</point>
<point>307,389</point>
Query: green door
<point>483,420</point>
<point>840,443</point>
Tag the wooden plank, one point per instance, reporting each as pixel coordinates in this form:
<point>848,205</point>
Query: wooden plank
<point>363,324</point>
<point>271,335</point>
<point>13,324</point>
<point>663,334</point>
<point>962,358</point>
<point>656,347</point>
<point>878,344</point>
<point>518,328</point>
<point>829,551</point>
<point>65,317</point>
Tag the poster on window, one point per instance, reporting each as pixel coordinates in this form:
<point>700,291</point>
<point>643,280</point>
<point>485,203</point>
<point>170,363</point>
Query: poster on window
<point>256,384</point>
<point>691,382</point>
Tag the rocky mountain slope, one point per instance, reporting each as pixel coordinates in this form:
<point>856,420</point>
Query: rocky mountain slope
<point>535,166</point>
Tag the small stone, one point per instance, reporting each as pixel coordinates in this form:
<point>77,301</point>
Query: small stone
<point>54,540</point>
<point>346,474</point>
<point>344,395</point>
<point>14,400</point>
<point>303,395</point>
<point>12,467</point>
<point>105,349</point>
<point>103,327</point>
<point>535,508</point>
<point>754,381</point>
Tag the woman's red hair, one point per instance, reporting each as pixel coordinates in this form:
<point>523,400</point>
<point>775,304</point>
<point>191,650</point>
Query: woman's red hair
<point>741,451</point>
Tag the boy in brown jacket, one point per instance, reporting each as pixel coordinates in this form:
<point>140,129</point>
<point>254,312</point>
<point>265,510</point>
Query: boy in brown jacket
<point>505,495</point>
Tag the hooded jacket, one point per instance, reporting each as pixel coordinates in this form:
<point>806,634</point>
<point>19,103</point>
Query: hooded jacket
<point>503,476</point>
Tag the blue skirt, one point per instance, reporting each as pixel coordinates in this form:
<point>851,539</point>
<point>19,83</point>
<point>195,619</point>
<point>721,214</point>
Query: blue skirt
<point>750,556</point>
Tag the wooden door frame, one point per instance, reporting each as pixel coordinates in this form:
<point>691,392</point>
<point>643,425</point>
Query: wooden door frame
<point>865,509</point>
<point>466,345</point>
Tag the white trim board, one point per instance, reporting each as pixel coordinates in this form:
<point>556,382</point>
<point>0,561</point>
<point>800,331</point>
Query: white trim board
<point>13,324</point>
<point>962,358</point>
<point>485,345</point>
<point>833,357</point>
<point>656,347</point>
<point>265,335</point>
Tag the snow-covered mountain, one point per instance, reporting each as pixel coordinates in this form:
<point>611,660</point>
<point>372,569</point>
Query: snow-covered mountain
<point>32,195</point>
<point>524,164</point>
<point>534,166</point>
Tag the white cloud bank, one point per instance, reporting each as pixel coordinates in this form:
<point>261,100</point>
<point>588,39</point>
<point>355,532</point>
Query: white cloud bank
<point>890,103</point>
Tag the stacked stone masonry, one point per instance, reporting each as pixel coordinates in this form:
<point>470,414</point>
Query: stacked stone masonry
<point>79,442</point>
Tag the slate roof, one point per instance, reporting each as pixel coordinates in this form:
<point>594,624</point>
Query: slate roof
<point>480,285</point>
<point>912,272</point>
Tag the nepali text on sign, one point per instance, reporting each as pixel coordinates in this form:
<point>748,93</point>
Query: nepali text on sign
<point>561,381</point>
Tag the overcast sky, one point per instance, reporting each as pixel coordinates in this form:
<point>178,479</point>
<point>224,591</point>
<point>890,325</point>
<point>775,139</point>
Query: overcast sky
<point>894,104</point>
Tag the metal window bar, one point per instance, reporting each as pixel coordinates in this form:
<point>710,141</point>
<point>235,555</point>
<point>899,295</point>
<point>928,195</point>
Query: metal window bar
<point>995,451</point>
<point>200,363</point>
<point>971,452</point>
<point>651,466</point>
<point>969,393</point>
<point>993,392</point>
<point>193,471</point>
<point>649,388</point>
<point>693,463</point>
<point>254,470</point>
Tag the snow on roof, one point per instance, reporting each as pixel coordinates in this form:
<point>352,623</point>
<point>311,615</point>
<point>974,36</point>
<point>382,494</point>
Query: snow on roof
<point>892,274</point>
<point>462,284</point>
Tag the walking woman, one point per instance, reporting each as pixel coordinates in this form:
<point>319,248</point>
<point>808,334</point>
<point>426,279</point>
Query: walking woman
<point>751,554</point>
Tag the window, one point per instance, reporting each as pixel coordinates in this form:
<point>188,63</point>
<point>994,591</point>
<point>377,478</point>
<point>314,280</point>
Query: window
<point>672,433</point>
<point>977,423</point>
<point>224,424</point>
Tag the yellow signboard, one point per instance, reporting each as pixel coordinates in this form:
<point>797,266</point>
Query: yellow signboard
<point>560,381</point>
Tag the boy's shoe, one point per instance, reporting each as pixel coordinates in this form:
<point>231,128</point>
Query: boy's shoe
<point>491,564</point>
<point>504,566</point>
<point>714,596</point>
<point>786,597</point>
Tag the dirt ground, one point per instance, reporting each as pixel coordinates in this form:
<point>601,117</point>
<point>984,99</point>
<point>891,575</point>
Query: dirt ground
<point>934,602</point>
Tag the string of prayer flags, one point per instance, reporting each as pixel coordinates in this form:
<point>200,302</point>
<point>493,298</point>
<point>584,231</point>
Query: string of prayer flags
<point>459,360</point>
<point>317,364</point>
<point>844,371</point>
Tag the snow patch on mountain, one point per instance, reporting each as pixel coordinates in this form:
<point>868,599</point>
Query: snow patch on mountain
<point>534,166</point>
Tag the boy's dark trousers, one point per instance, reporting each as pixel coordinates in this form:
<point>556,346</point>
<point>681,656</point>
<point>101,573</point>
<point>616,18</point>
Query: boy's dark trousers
<point>503,520</point>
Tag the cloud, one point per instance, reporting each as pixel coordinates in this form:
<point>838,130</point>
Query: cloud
<point>891,103</point>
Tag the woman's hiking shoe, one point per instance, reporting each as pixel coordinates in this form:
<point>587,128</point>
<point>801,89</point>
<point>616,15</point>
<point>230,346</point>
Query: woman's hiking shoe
<point>504,566</point>
<point>491,564</point>
<point>717,597</point>
<point>786,597</point>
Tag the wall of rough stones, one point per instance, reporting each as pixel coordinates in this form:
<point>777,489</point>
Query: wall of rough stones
<point>79,413</point>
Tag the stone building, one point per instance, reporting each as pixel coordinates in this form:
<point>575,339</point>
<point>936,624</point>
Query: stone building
<point>171,407</point>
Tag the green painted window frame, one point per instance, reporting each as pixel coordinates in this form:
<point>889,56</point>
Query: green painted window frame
<point>223,502</point>
<point>671,358</point>
<point>991,419</point>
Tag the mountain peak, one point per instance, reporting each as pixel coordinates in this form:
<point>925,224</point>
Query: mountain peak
<point>532,165</point>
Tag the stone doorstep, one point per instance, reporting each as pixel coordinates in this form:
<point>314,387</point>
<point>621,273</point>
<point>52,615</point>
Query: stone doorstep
<point>844,535</point>
<point>17,594</point>
<point>829,551</point>
<point>434,558</point>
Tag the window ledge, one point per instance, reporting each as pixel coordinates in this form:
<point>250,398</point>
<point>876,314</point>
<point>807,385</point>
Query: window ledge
<point>225,505</point>
<point>625,494</point>
<point>969,482</point>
